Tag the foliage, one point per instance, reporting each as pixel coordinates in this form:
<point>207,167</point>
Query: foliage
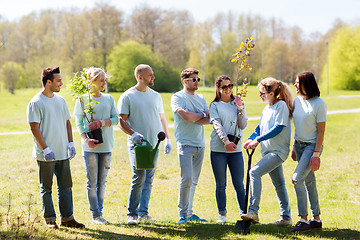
<point>12,75</point>
<point>127,55</point>
<point>344,59</point>
<point>82,89</point>
<point>240,57</point>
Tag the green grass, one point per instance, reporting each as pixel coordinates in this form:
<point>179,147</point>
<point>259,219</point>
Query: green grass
<point>20,206</point>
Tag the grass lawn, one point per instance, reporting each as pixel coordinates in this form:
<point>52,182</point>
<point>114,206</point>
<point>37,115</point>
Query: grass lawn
<point>20,206</point>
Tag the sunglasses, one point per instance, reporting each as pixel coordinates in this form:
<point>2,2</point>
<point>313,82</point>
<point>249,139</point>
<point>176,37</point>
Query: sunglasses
<point>262,93</point>
<point>193,79</point>
<point>225,87</point>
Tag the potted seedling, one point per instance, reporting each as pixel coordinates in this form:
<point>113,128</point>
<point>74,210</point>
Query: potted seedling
<point>82,90</point>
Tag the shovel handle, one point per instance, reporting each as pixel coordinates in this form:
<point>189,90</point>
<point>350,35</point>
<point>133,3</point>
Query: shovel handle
<point>250,153</point>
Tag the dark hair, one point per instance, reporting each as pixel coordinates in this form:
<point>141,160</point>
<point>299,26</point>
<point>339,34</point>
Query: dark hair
<point>218,81</point>
<point>308,83</point>
<point>48,74</point>
<point>187,72</point>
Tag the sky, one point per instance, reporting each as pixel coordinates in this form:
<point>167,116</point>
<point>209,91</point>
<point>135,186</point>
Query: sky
<point>310,15</point>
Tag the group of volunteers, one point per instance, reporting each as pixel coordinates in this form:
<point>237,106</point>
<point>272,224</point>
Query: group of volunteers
<point>140,114</point>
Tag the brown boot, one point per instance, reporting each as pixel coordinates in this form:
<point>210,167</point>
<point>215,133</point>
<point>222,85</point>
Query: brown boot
<point>52,225</point>
<point>73,224</point>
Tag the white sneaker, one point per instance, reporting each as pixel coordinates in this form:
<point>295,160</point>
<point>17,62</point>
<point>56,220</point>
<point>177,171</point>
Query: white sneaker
<point>146,218</point>
<point>222,219</point>
<point>132,220</point>
<point>251,216</point>
<point>282,222</point>
<point>99,220</point>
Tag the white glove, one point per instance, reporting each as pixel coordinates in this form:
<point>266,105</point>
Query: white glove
<point>137,137</point>
<point>167,148</point>
<point>48,154</point>
<point>72,151</point>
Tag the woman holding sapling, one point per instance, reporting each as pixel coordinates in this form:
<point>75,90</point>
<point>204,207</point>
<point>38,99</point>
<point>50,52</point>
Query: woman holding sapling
<point>309,121</point>
<point>228,118</point>
<point>97,156</point>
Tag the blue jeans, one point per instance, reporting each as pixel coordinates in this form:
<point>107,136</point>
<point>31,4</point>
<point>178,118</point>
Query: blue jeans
<point>305,186</point>
<point>97,166</point>
<point>61,169</point>
<point>191,159</point>
<point>219,163</point>
<point>140,188</point>
<point>270,163</point>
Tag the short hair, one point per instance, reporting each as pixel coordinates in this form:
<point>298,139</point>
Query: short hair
<point>48,74</point>
<point>308,82</point>
<point>139,69</point>
<point>187,72</point>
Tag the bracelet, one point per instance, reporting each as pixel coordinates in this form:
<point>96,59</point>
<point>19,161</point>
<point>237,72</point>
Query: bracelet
<point>316,151</point>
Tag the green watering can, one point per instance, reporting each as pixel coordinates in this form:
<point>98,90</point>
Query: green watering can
<point>145,154</point>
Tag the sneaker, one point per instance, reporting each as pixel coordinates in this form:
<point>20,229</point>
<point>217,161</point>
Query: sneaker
<point>222,219</point>
<point>195,218</point>
<point>146,218</point>
<point>315,223</point>
<point>52,225</point>
<point>282,222</point>
<point>99,220</point>
<point>182,219</point>
<point>301,225</point>
<point>132,220</point>
<point>251,216</point>
<point>72,224</point>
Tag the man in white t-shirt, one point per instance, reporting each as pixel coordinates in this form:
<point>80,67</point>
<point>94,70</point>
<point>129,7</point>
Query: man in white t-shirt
<point>141,115</point>
<point>48,117</point>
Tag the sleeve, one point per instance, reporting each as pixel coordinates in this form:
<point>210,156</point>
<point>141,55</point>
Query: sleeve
<point>33,113</point>
<point>160,104</point>
<point>205,104</point>
<point>321,113</point>
<point>114,112</point>
<point>213,112</point>
<point>79,117</point>
<point>219,129</point>
<point>275,130</point>
<point>123,104</point>
<point>256,133</point>
<point>176,102</point>
<point>66,110</point>
<point>282,114</point>
<point>242,119</point>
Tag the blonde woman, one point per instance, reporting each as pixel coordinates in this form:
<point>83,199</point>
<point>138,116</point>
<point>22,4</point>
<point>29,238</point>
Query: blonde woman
<point>273,133</point>
<point>97,156</point>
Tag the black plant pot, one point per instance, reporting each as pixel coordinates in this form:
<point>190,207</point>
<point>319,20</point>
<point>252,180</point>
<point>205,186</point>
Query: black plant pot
<point>96,134</point>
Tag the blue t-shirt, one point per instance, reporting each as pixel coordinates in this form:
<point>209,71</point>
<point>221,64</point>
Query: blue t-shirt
<point>307,114</point>
<point>104,110</point>
<point>144,109</point>
<point>276,114</point>
<point>52,114</point>
<point>188,133</point>
<point>227,113</point>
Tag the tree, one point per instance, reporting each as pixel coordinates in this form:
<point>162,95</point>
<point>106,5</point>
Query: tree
<point>127,55</point>
<point>12,75</point>
<point>344,59</point>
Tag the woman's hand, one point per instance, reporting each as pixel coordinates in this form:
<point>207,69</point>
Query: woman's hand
<point>230,147</point>
<point>238,102</point>
<point>95,125</point>
<point>254,143</point>
<point>246,144</point>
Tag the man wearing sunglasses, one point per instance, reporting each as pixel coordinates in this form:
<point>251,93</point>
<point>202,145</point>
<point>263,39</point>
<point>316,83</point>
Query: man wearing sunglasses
<point>190,114</point>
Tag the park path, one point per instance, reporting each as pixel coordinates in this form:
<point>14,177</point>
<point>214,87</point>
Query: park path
<point>354,110</point>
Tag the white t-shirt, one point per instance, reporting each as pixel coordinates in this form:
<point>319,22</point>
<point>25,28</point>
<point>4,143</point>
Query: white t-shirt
<point>276,114</point>
<point>52,114</point>
<point>144,109</point>
<point>307,113</point>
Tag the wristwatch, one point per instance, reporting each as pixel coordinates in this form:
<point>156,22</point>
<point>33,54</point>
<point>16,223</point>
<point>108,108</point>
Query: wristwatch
<point>204,114</point>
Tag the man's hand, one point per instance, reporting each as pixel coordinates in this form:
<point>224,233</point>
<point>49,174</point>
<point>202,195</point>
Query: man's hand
<point>293,155</point>
<point>315,161</point>
<point>72,151</point>
<point>137,137</point>
<point>48,154</point>
<point>167,148</point>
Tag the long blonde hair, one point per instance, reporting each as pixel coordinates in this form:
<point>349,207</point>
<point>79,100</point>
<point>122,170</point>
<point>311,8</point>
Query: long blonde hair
<point>281,91</point>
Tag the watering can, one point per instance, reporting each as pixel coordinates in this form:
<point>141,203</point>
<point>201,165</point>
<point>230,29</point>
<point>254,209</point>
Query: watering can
<point>145,154</point>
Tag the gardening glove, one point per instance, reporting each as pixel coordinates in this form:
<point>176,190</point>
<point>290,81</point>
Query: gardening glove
<point>315,161</point>
<point>96,124</point>
<point>72,151</point>
<point>167,148</point>
<point>293,155</point>
<point>137,137</point>
<point>246,144</point>
<point>48,154</point>
<point>230,146</point>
